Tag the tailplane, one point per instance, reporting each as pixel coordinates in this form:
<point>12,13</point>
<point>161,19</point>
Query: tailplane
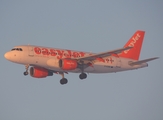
<point>136,43</point>
<point>142,61</point>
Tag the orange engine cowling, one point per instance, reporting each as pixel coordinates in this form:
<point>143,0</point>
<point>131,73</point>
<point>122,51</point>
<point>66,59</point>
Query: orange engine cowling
<point>68,64</point>
<point>38,72</point>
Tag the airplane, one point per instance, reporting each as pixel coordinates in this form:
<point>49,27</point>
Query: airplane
<point>45,61</point>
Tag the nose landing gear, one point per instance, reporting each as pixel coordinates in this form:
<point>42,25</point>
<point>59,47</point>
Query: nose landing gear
<point>26,72</point>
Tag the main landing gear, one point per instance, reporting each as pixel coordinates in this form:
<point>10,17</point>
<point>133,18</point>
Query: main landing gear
<point>63,80</point>
<point>83,76</point>
<point>26,72</point>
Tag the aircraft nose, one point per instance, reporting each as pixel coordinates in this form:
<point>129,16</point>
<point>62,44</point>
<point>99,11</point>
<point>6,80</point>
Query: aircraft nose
<point>7,56</point>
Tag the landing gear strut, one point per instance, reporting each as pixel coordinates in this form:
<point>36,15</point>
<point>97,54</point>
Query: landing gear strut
<point>26,72</point>
<point>82,75</point>
<point>63,80</point>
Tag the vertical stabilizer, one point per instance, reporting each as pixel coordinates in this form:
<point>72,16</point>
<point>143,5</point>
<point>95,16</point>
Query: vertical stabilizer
<point>136,42</point>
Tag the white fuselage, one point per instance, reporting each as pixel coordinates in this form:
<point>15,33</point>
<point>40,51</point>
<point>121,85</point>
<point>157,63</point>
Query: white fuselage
<point>48,58</point>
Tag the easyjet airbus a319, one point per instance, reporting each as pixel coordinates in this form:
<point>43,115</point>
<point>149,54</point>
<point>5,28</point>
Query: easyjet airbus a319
<point>45,61</point>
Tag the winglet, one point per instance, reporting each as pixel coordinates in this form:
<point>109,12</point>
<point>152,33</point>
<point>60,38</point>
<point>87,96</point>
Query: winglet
<point>136,42</point>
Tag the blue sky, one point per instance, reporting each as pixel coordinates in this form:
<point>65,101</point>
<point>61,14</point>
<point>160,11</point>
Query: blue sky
<point>93,26</point>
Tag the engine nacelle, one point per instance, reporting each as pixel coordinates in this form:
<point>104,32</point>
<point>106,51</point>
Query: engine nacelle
<point>68,64</point>
<point>38,72</point>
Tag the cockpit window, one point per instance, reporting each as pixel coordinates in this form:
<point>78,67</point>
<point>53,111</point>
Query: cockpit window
<point>13,49</point>
<point>17,49</point>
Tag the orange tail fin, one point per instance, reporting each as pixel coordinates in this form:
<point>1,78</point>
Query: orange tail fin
<point>136,42</point>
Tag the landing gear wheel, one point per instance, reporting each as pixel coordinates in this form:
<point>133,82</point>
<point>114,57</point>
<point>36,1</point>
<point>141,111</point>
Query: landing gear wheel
<point>63,81</point>
<point>83,76</point>
<point>25,73</point>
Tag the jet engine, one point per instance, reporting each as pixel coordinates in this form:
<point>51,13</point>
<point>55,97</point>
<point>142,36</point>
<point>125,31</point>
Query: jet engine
<point>68,64</point>
<point>38,72</point>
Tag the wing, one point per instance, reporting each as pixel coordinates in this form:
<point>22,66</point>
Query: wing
<point>103,54</point>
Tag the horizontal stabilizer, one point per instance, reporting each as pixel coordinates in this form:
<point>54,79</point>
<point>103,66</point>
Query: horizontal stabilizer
<point>142,61</point>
